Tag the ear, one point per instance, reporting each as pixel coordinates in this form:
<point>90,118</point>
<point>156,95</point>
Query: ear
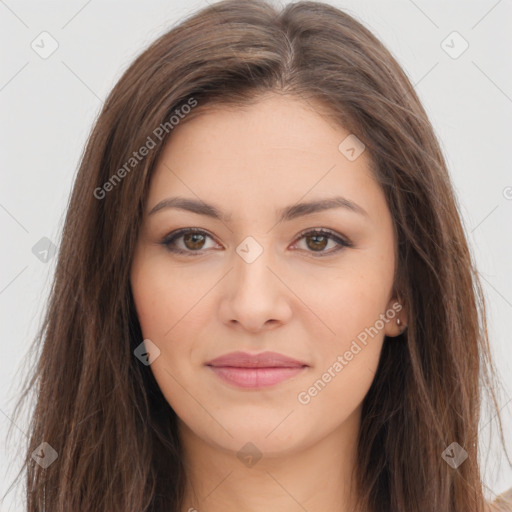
<point>396,312</point>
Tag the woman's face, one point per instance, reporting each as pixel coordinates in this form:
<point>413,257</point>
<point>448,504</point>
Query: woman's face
<point>255,277</point>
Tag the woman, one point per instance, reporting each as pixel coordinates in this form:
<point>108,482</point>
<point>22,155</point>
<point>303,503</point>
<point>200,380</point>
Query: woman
<point>264,297</point>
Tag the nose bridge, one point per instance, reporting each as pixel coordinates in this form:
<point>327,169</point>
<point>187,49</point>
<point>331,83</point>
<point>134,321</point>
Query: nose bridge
<point>255,293</point>
<point>252,262</point>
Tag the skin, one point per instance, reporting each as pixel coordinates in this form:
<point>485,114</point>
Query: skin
<point>250,162</point>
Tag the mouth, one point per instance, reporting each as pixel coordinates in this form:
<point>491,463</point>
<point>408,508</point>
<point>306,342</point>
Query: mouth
<point>253,371</point>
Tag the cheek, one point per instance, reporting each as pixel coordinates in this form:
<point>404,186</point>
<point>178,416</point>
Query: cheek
<point>171,314</point>
<point>162,296</point>
<point>332,397</point>
<point>354,305</point>
<point>346,361</point>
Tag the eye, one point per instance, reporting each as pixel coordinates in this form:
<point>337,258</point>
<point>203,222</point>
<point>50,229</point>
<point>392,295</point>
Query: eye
<point>318,240</point>
<point>193,241</point>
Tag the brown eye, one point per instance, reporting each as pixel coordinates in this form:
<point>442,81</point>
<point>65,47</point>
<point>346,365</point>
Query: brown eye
<point>317,240</point>
<point>187,241</point>
<point>193,241</point>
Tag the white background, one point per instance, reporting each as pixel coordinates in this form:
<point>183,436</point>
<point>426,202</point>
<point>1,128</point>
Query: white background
<point>48,107</point>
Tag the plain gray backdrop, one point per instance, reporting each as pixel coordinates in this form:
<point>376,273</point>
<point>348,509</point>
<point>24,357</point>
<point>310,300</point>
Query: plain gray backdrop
<point>49,102</point>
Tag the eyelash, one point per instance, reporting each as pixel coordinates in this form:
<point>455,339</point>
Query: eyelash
<point>172,237</point>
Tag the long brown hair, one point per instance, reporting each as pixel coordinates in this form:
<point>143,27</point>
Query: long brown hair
<point>101,409</point>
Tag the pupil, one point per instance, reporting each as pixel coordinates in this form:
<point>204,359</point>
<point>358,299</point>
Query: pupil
<point>322,238</point>
<point>194,236</point>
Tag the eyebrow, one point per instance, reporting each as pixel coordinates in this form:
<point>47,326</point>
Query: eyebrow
<point>285,214</point>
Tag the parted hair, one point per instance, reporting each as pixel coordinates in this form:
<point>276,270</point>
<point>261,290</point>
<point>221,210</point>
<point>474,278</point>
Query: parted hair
<point>103,412</point>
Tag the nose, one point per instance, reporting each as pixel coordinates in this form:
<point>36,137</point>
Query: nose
<point>255,297</point>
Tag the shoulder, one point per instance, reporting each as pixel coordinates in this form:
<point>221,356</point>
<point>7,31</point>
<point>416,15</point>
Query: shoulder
<point>503,503</point>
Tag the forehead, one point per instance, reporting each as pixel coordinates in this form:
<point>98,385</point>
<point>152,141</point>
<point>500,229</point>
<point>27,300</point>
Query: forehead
<point>276,150</point>
<point>275,119</point>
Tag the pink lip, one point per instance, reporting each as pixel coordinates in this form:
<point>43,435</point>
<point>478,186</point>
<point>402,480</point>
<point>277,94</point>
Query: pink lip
<point>255,371</point>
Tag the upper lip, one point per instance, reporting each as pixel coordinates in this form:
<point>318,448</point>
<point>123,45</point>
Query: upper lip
<point>262,360</point>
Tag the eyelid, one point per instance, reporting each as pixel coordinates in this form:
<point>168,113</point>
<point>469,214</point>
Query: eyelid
<point>324,231</point>
<point>174,235</point>
<point>341,240</point>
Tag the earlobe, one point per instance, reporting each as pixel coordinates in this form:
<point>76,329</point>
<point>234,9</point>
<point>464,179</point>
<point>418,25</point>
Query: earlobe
<point>401,326</point>
<point>397,323</point>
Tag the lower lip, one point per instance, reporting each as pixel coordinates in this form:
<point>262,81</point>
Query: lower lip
<point>255,377</point>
